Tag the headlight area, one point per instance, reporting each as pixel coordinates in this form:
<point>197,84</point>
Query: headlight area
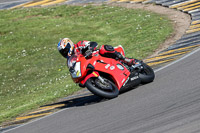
<point>77,70</point>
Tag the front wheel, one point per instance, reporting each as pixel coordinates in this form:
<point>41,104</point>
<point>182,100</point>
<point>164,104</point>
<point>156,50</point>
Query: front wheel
<point>147,74</point>
<point>107,89</point>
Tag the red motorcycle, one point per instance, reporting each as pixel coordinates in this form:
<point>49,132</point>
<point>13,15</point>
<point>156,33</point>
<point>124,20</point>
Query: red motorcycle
<point>106,77</point>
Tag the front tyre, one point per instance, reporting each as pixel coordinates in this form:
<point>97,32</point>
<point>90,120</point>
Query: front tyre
<point>107,89</point>
<point>147,74</point>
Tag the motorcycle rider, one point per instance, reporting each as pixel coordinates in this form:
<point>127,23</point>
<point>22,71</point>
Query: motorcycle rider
<point>67,48</point>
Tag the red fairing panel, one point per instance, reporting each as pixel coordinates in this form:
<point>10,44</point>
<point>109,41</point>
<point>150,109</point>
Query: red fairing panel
<point>109,66</point>
<point>120,49</point>
<point>112,67</point>
<point>94,74</point>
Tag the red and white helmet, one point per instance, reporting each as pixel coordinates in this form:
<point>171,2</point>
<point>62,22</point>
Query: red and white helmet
<point>66,47</point>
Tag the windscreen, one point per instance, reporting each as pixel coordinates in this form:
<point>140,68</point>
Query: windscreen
<point>71,61</point>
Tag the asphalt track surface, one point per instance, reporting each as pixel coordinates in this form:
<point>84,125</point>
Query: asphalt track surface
<point>170,104</point>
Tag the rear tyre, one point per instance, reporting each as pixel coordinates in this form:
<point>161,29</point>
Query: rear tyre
<point>107,89</point>
<point>147,75</point>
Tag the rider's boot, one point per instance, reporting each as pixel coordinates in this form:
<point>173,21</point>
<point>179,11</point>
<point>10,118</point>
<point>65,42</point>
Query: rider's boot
<point>129,61</point>
<point>126,60</point>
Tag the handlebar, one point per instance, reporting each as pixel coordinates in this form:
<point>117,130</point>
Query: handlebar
<point>88,53</point>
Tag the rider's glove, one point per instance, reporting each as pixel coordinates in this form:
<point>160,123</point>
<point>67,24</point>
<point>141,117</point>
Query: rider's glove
<point>88,53</point>
<point>129,61</point>
<point>119,55</point>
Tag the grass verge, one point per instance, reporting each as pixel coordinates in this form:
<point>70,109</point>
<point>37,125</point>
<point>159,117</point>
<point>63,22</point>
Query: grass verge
<point>34,73</point>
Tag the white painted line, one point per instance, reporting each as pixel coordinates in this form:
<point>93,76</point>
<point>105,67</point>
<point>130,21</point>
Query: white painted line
<point>36,120</point>
<point>195,10</point>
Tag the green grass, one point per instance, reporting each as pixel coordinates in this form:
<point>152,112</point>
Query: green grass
<point>34,73</point>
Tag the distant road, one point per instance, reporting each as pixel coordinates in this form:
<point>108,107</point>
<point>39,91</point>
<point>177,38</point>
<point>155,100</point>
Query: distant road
<point>5,4</point>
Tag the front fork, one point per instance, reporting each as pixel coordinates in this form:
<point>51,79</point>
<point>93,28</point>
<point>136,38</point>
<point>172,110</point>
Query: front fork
<point>93,74</point>
<point>101,79</point>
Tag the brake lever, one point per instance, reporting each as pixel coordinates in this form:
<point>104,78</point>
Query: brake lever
<point>88,55</point>
<point>137,65</point>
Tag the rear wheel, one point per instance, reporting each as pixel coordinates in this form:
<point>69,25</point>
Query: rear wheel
<point>147,74</point>
<point>107,89</point>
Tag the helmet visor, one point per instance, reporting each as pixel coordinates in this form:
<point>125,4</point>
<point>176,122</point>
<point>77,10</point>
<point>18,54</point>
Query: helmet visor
<point>64,52</point>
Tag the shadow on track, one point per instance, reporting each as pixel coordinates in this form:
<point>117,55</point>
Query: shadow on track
<point>78,101</point>
<point>83,100</point>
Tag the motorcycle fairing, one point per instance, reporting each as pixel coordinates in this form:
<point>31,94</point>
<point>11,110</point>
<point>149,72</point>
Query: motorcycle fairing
<point>93,74</point>
<point>109,66</point>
